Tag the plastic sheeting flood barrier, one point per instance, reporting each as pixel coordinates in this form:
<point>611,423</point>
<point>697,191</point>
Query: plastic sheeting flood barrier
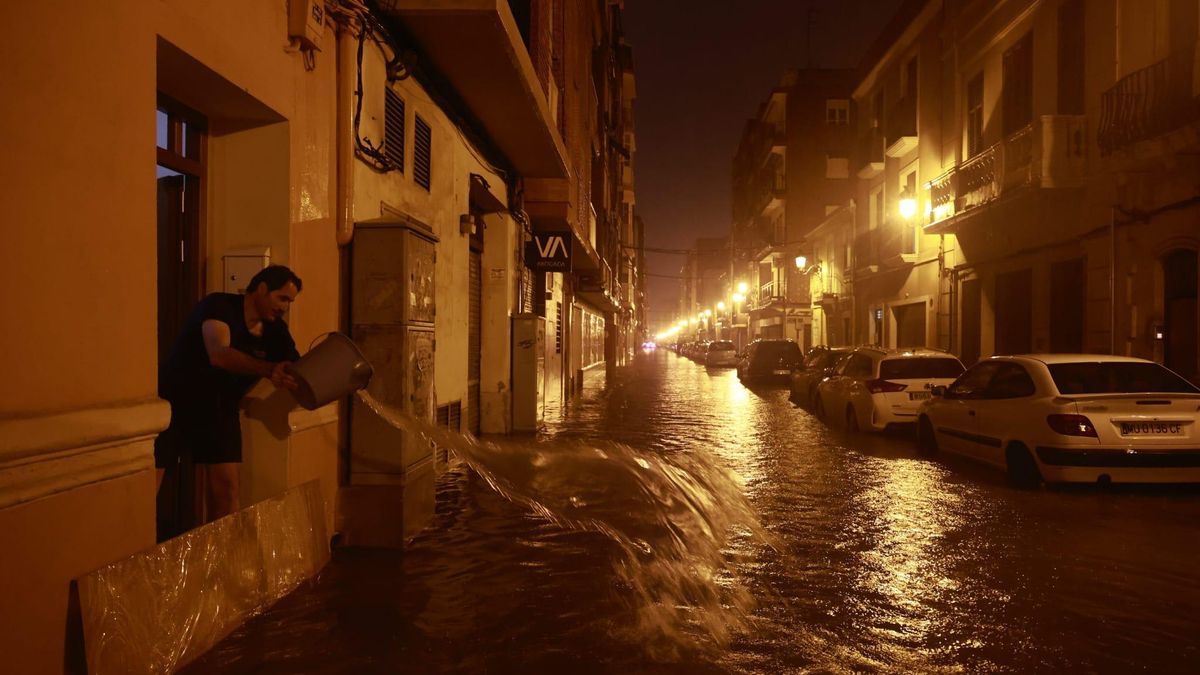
<point>159,609</point>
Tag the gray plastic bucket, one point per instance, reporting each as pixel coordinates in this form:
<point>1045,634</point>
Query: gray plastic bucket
<point>329,371</point>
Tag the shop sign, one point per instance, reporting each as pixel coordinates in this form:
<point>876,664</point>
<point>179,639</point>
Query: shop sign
<point>549,252</point>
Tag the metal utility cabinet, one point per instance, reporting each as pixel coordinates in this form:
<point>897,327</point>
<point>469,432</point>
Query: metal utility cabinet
<point>529,372</point>
<point>392,312</point>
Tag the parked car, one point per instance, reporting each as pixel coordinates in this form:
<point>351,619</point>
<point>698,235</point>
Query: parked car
<point>769,360</point>
<point>876,387</point>
<point>1069,418</point>
<point>721,353</point>
<point>818,364</point>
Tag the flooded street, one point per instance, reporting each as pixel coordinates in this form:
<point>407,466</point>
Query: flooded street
<point>871,558</point>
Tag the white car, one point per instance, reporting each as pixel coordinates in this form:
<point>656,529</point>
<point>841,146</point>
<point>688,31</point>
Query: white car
<point>1069,418</point>
<point>875,387</point>
<point>721,353</point>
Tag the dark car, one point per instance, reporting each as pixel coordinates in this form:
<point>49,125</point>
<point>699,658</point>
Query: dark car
<point>769,360</point>
<point>818,365</point>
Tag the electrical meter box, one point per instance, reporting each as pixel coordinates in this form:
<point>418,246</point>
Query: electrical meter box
<point>306,22</point>
<point>239,266</point>
<point>392,312</point>
<point>528,372</point>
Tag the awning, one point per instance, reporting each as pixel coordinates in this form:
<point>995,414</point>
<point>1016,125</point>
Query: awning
<point>477,47</point>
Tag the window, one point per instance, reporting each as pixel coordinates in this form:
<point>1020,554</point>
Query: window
<point>919,368</point>
<point>975,115</point>
<point>1071,45</point>
<point>1010,381</point>
<point>837,167</point>
<point>1115,377</point>
<point>858,365</point>
<point>1018,85</point>
<point>974,382</point>
<point>837,111</point>
<point>875,210</point>
<point>393,129</point>
<point>422,153</point>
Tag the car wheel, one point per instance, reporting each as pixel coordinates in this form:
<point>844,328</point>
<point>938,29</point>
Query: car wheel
<point>1022,470</point>
<point>926,441</point>
<point>851,419</point>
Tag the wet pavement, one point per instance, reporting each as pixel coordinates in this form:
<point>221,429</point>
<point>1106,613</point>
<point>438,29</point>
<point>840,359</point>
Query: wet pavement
<point>874,559</point>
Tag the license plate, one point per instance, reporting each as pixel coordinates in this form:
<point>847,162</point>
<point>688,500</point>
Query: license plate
<point>918,395</point>
<point>783,372</point>
<point>1151,429</point>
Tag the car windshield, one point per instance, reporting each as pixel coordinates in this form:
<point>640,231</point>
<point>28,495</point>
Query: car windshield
<point>918,368</point>
<point>1117,377</point>
<point>722,346</point>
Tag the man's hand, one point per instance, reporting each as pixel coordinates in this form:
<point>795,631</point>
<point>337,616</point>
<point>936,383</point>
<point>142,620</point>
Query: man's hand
<point>281,378</point>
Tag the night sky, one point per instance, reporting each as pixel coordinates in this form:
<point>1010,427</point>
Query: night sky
<point>703,67</point>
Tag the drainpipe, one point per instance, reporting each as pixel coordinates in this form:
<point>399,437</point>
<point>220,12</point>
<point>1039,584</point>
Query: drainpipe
<point>343,131</point>
<point>1112,281</point>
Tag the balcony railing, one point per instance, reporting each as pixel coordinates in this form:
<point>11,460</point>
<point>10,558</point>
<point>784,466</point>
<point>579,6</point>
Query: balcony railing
<point>1149,102</point>
<point>1050,152</point>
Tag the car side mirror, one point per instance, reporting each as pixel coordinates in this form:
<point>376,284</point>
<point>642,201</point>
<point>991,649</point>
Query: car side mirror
<point>938,390</point>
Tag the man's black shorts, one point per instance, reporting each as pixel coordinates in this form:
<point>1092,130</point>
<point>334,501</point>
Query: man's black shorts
<point>209,439</point>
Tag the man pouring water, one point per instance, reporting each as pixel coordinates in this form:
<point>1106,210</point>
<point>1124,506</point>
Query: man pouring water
<point>228,342</point>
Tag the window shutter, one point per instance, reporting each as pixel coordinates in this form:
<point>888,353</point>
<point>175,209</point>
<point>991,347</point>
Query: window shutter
<point>422,153</point>
<point>393,129</point>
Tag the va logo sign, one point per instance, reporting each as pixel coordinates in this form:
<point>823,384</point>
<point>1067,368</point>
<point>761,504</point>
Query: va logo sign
<point>549,252</point>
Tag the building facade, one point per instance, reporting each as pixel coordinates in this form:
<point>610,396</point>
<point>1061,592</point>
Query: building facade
<point>319,144</point>
<point>791,170</point>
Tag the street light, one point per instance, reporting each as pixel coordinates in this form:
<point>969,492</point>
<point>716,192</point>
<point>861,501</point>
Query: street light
<point>707,313</point>
<point>721,306</point>
<point>801,262</point>
<point>742,288</point>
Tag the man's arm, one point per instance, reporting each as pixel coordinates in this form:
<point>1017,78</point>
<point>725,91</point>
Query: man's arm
<point>222,355</point>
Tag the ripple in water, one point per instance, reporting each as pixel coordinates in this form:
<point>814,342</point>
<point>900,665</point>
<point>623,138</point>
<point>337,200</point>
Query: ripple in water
<point>674,520</point>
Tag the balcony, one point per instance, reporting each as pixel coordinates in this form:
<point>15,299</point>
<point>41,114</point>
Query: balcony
<point>901,131</point>
<point>868,153</point>
<point>1050,153</point>
<point>770,190</point>
<point>1149,102</point>
<point>495,78</point>
<point>599,287</point>
<point>767,139</point>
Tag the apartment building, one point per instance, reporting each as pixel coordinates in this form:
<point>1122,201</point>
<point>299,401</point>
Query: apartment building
<point>1059,177</point>
<point>791,170</point>
<point>401,191</point>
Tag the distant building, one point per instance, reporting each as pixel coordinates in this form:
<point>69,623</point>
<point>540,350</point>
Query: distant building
<point>791,170</point>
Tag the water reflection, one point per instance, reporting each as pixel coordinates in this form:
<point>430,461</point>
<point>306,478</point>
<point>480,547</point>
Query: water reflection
<point>870,558</point>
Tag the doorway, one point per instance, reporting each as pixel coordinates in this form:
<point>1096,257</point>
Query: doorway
<point>181,136</point>
<point>1180,283</point>
<point>910,325</point>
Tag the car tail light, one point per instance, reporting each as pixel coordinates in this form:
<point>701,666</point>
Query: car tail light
<point>1072,425</point>
<point>884,386</point>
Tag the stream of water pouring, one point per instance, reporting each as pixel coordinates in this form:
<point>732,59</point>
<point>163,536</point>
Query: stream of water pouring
<point>672,519</point>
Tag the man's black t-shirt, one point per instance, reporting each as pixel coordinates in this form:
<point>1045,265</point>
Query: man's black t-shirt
<point>199,391</point>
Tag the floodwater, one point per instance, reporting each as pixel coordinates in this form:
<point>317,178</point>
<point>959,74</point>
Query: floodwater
<point>678,522</point>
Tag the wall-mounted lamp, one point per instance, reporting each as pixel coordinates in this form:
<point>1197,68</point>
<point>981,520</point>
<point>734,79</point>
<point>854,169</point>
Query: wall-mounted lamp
<point>742,287</point>
<point>801,262</point>
<point>908,205</point>
<point>1160,332</point>
<point>708,312</point>
<point>721,306</point>
<point>466,224</point>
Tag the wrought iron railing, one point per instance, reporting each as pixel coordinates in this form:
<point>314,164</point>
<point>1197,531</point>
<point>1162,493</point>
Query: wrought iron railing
<point>1149,102</point>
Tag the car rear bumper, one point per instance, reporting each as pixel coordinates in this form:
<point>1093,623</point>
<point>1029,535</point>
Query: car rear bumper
<point>1122,465</point>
